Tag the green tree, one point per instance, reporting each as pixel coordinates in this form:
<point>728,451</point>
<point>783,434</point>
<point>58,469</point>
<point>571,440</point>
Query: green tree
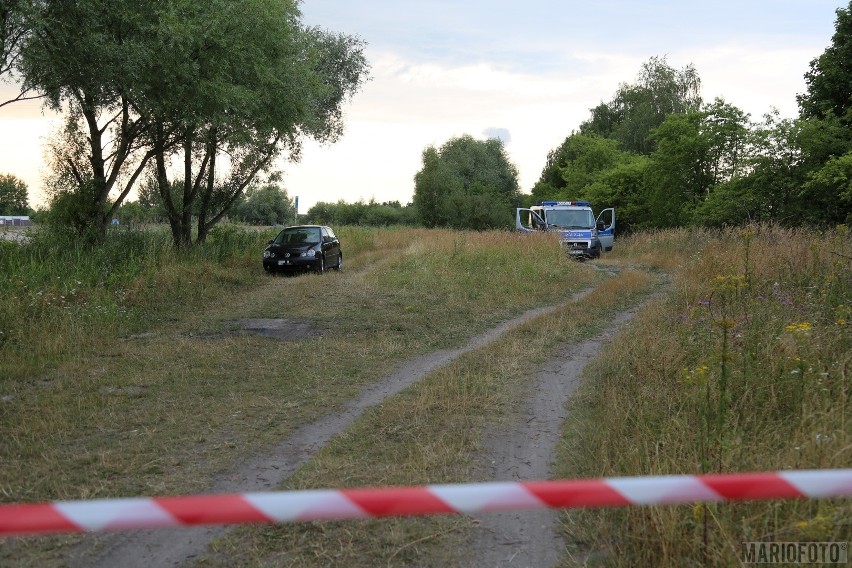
<point>696,152</point>
<point>829,78</point>
<point>15,29</point>
<point>776,173</point>
<point>830,188</point>
<point>726,128</point>
<point>731,203</point>
<point>551,182</point>
<point>265,205</point>
<point>132,213</point>
<point>216,89</point>
<point>622,186</point>
<point>238,83</point>
<point>466,184</point>
<point>322,213</point>
<point>637,109</point>
<point>678,175</point>
<point>433,185</point>
<point>99,155</point>
<point>13,196</point>
<point>370,213</point>
<point>824,133</point>
<point>389,213</point>
<point>576,164</point>
<point>149,199</point>
<point>775,184</point>
<point>12,32</point>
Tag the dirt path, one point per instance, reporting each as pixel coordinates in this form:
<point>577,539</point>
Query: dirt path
<point>267,472</point>
<point>522,450</point>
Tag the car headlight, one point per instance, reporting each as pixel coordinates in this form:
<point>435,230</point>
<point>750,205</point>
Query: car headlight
<point>311,253</point>
<point>268,254</point>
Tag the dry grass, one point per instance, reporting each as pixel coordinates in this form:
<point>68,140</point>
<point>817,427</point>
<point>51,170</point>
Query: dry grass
<point>429,433</point>
<point>744,367</point>
<point>115,412</point>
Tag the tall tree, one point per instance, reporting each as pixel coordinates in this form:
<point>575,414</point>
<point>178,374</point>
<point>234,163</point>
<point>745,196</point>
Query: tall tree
<point>753,168</point>
<point>466,184</point>
<point>637,109</point>
<point>825,130</point>
<point>100,151</point>
<point>216,90</point>
<point>696,152</point>
<point>678,176</point>
<point>575,164</point>
<point>265,205</point>
<point>13,196</point>
<point>237,84</point>
<point>622,186</point>
<point>829,78</point>
<point>433,185</point>
<point>15,28</point>
<point>726,128</point>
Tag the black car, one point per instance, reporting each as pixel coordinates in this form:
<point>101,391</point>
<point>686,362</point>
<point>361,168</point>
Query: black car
<point>303,248</point>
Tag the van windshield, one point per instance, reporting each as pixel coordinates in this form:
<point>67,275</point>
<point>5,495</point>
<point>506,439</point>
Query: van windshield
<point>571,218</point>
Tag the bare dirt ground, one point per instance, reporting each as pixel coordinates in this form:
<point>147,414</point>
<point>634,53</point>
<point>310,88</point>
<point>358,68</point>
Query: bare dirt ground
<point>522,449</point>
<point>266,472</point>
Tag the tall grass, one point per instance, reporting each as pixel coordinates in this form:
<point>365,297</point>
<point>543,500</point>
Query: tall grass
<point>62,298</point>
<point>102,409</point>
<point>744,367</point>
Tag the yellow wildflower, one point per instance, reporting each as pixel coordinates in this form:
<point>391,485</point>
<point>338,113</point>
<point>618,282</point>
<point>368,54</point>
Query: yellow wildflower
<point>818,528</point>
<point>698,512</point>
<point>842,313</point>
<point>696,376</point>
<point>729,283</point>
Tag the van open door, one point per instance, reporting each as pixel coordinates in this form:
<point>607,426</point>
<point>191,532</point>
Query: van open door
<point>527,221</point>
<point>606,228</point>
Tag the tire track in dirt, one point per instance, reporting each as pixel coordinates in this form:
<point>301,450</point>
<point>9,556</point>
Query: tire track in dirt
<point>523,450</point>
<point>177,547</point>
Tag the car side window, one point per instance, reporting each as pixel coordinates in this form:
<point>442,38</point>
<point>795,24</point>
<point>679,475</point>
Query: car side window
<point>331,233</point>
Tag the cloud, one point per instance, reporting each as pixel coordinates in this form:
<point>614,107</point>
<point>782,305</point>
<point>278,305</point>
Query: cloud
<point>408,106</point>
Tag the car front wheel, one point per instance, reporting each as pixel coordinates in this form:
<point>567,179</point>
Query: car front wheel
<point>339,266</point>
<point>321,265</point>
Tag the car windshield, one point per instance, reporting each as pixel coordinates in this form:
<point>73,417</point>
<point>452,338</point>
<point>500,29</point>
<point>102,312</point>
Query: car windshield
<point>571,219</point>
<point>301,236</point>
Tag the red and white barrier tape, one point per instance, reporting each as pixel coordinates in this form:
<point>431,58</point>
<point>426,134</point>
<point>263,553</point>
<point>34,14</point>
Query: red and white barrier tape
<point>137,513</point>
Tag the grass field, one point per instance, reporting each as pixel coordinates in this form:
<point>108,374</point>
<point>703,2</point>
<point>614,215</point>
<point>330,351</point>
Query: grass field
<point>745,366</point>
<point>116,378</point>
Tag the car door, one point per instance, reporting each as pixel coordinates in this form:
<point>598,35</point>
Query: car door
<point>533,220</point>
<point>606,228</point>
<point>330,246</point>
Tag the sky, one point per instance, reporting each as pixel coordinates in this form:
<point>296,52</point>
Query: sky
<point>525,72</point>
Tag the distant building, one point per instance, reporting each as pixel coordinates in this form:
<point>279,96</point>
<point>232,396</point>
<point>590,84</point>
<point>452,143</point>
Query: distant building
<point>15,220</point>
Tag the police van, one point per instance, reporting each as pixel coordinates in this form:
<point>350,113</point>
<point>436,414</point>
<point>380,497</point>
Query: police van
<point>581,234</point>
